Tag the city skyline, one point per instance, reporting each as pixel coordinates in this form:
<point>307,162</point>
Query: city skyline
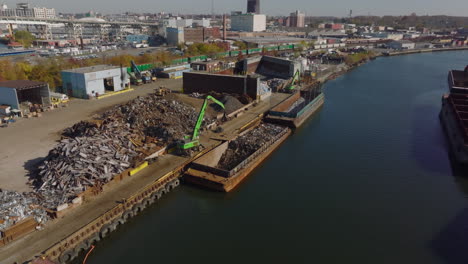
<point>339,8</point>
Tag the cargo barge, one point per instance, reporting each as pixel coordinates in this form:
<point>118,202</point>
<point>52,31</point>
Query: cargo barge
<point>205,172</point>
<point>295,110</point>
<point>454,114</point>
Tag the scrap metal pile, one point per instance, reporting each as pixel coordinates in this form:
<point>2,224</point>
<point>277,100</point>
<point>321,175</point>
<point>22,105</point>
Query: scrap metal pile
<point>94,152</point>
<point>275,84</point>
<point>15,206</point>
<point>245,145</point>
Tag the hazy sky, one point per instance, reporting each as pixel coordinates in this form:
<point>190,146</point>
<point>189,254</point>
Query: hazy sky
<point>269,7</point>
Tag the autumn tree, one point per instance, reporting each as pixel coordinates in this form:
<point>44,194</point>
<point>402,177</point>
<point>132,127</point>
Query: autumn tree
<point>24,37</point>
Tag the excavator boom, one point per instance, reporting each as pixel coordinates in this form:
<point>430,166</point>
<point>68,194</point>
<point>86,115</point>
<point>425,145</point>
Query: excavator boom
<point>196,131</point>
<point>295,79</point>
<point>201,115</point>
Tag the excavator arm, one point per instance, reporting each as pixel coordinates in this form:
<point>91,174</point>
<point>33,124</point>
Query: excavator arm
<point>295,79</point>
<point>196,130</point>
<point>136,70</point>
<point>201,115</point>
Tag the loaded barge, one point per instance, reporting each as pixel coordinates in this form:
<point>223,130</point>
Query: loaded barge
<point>206,172</point>
<point>454,114</point>
<point>295,110</point>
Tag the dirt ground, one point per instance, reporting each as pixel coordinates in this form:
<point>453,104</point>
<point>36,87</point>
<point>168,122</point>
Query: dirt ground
<point>25,143</point>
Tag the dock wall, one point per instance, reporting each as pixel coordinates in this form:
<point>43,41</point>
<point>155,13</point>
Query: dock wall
<point>81,240</point>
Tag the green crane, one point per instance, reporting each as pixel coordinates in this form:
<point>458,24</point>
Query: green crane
<point>192,141</point>
<point>295,79</point>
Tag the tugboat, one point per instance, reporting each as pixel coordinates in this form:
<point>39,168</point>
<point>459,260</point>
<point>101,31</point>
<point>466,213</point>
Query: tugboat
<point>454,114</point>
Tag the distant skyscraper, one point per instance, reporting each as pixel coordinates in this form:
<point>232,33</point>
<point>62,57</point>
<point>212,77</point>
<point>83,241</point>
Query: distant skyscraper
<point>253,6</point>
<point>297,19</point>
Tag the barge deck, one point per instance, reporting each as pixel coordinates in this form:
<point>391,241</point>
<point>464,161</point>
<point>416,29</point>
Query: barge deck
<point>203,171</point>
<point>454,114</point>
<point>294,111</point>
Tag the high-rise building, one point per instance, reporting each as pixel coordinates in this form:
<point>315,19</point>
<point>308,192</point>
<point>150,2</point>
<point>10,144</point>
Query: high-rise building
<point>25,10</point>
<point>248,22</point>
<point>253,6</point>
<point>297,19</point>
<point>42,12</point>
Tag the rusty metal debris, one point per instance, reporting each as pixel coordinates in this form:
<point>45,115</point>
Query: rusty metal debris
<point>94,152</point>
<point>15,206</point>
<point>245,145</point>
<point>275,84</point>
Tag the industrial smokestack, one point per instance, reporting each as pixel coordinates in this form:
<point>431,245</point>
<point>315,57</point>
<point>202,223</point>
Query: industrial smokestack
<point>253,6</point>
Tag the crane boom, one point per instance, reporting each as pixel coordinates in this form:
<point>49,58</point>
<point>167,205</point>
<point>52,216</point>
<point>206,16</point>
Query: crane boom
<point>135,69</point>
<point>196,130</point>
<point>201,115</point>
<point>296,78</point>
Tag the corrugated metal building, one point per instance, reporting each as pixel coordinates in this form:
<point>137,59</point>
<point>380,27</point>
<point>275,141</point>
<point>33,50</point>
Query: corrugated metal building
<point>14,93</point>
<point>91,81</point>
<point>174,72</point>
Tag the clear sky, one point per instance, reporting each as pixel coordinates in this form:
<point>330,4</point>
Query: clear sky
<point>269,7</point>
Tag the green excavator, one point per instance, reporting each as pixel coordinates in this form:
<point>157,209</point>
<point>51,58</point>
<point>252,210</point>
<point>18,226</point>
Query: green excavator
<point>192,141</point>
<point>296,79</point>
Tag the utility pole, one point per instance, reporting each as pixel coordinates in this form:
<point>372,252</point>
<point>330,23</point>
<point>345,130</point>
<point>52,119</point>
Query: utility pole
<point>212,10</point>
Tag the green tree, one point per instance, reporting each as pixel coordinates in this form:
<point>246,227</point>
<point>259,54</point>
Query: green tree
<point>25,38</point>
<point>240,44</point>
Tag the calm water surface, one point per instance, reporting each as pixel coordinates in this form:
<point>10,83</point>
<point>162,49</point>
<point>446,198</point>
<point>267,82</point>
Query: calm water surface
<point>367,180</point>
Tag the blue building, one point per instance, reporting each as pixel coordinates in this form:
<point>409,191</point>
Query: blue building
<point>138,38</point>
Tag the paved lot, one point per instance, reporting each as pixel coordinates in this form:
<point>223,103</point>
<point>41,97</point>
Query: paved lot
<point>24,144</point>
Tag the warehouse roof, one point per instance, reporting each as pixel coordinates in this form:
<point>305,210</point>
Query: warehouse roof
<point>22,84</point>
<point>96,68</point>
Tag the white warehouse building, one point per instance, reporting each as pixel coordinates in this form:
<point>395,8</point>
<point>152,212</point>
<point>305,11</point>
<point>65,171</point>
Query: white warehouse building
<point>93,81</point>
<point>248,22</point>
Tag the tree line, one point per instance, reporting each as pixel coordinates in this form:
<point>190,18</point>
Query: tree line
<point>49,69</point>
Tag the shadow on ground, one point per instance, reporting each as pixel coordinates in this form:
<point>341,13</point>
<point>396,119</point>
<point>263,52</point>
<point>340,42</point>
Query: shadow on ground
<point>32,168</point>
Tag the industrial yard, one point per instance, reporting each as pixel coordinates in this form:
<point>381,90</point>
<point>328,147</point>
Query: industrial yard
<point>103,115</point>
<point>84,152</point>
<point>34,138</point>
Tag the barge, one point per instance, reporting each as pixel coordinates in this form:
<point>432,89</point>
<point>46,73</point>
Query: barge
<point>205,172</point>
<point>454,114</point>
<point>295,110</point>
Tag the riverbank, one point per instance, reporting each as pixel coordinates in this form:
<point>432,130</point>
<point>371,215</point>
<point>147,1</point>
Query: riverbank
<point>415,51</point>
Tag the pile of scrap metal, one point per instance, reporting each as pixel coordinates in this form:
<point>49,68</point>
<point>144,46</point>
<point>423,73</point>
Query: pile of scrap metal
<point>93,152</point>
<point>15,207</point>
<point>275,84</point>
<point>245,145</point>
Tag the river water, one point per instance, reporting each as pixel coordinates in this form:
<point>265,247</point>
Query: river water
<point>367,180</point>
